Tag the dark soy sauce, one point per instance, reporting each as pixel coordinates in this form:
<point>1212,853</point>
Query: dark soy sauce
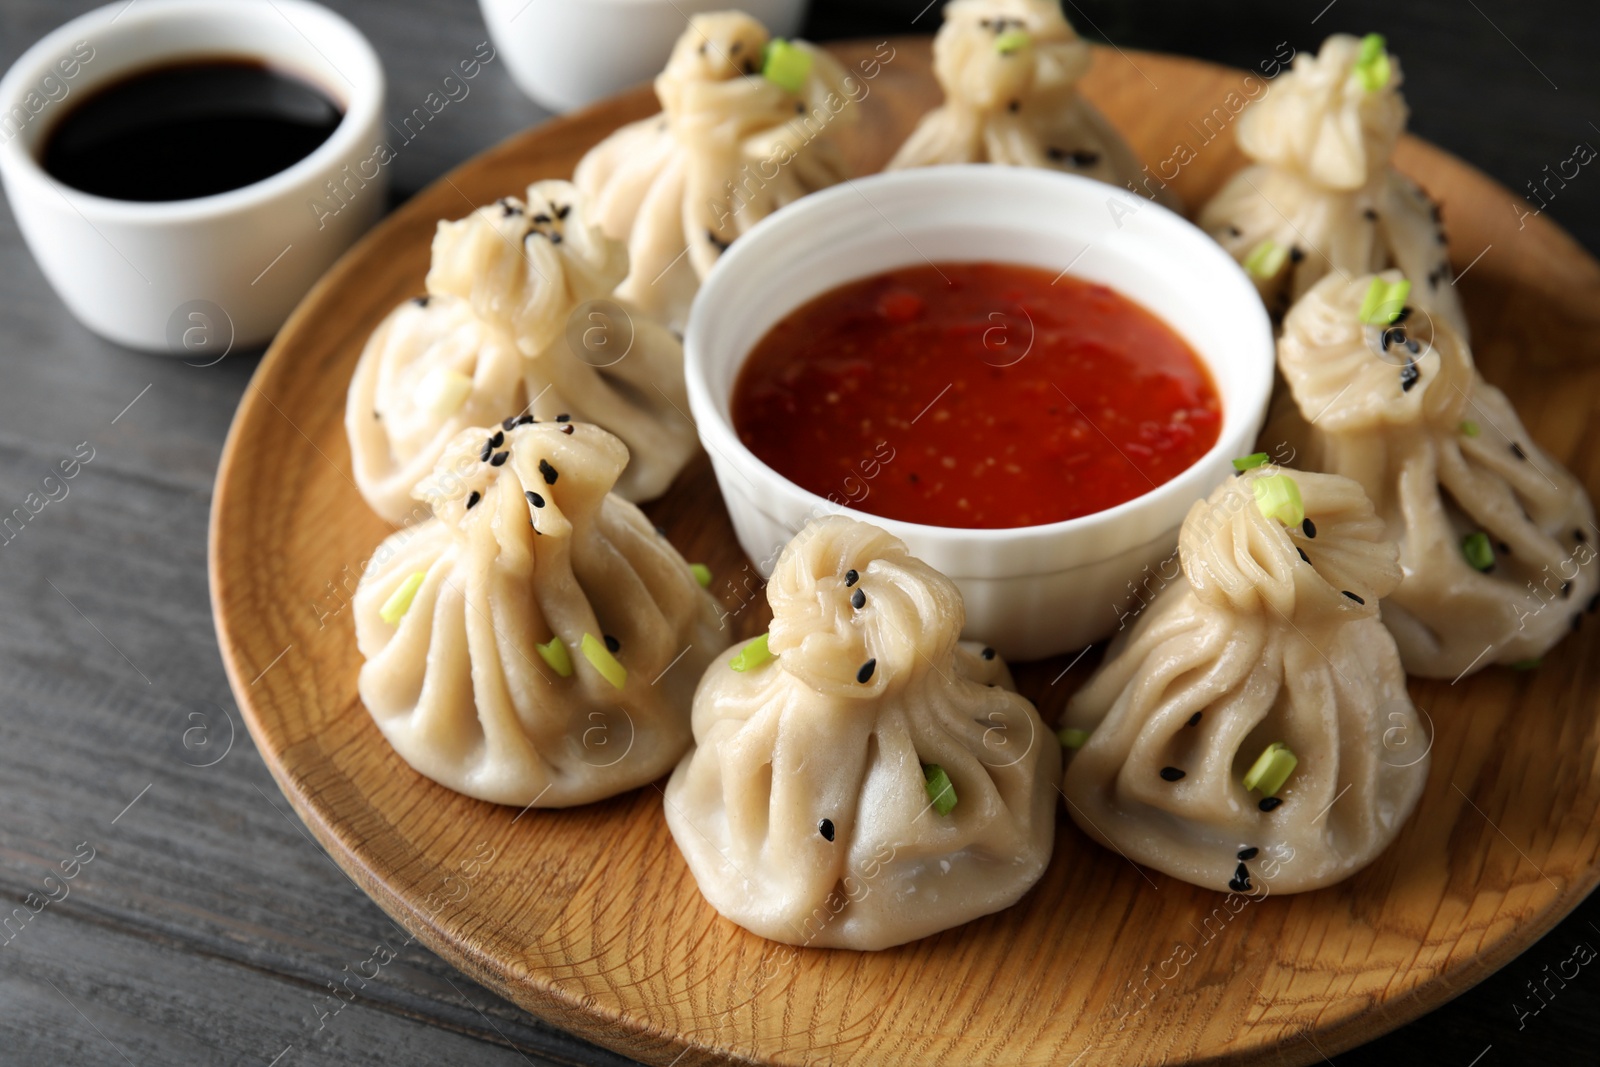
<point>189,129</point>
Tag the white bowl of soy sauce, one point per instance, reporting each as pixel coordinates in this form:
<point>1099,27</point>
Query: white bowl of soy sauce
<point>184,170</point>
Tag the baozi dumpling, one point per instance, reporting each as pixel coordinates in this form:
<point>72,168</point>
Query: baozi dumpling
<point>728,148</point>
<point>1494,534</point>
<point>536,642</point>
<point>815,809</point>
<point>1269,637</point>
<point>1010,70</point>
<point>510,287</point>
<point>1322,197</point>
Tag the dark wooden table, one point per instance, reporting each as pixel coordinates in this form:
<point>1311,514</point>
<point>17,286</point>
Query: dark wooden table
<point>207,928</point>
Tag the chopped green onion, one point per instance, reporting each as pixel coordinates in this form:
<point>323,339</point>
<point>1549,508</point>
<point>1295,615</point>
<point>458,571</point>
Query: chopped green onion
<point>442,392</point>
<point>601,659</point>
<point>1478,550</point>
<point>1372,63</point>
<point>554,652</point>
<point>752,655</point>
<point>1271,769</point>
<point>1266,260</point>
<point>399,601</point>
<point>1071,738</point>
<point>1250,462</point>
<point>1012,41</point>
<point>1384,302</point>
<point>785,65</point>
<point>1526,664</point>
<point>941,791</point>
<point>702,574</point>
<point>1469,428</point>
<point>1278,497</point>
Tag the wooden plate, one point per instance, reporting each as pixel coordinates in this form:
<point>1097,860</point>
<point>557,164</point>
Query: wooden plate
<point>589,918</point>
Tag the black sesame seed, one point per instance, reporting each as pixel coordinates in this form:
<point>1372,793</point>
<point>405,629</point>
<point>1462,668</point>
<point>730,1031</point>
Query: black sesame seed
<point>851,578</point>
<point>1309,528</point>
<point>542,219</point>
<point>1516,450</point>
<point>498,439</point>
<point>1269,804</point>
<point>568,429</point>
<point>1370,215</point>
<point>1240,882</point>
<point>735,48</point>
<point>717,242</point>
<point>864,675</point>
<point>1171,774</point>
<point>1405,313</point>
<point>1194,720</point>
<point>548,471</point>
<point>563,211</point>
<point>563,417</point>
<point>376,415</point>
<point>799,107</point>
<point>987,653</point>
<point>1505,549</point>
<point>1234,231</point>
<point>472,501</point>
<point>660,532</point>
<point>859,600</point>
<point>556,238</point>
<point>1303,557</point>
<point>1056,154</point>
<point>1014,106</point>
<point>1409,374</point>
<point>488,450</point>
<point>612,644</point>
<point>1579,536</point>
<point>534,498</point>
<point>498,459</point>
<point>508,423</point>
<point>1352,596</point>
<point>420,301</point>
<point>825,828</point>
<point>1295,254</point>
<point>1249,853</point>
<point>525,420</point>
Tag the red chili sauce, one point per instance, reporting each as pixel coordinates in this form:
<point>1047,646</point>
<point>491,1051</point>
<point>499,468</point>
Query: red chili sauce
<point>976,395</point>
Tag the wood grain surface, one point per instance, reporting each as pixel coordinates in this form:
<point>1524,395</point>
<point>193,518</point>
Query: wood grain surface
<point>589,918</point>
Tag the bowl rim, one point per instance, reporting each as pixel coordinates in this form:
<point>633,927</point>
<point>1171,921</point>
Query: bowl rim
<point>722,441</point>
<point>362,102</point>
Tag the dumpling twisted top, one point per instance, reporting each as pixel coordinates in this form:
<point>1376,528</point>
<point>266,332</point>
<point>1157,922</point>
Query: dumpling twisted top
<point>1321,121</point>
<point>1334,566</point>
<point>973,70</point>
<point>910,616</point>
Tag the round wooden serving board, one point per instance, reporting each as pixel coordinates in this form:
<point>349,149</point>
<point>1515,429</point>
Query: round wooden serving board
<point>589,917</point>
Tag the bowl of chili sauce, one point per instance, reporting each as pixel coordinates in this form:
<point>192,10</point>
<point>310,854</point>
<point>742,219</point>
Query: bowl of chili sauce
<point>1028,377</point>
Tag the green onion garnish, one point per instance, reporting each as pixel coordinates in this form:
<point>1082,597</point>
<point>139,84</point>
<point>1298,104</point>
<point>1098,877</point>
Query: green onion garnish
<point>601,659</point>
<point>1372,63</point>
<point>752,655</point>
<point>1384,302</point>
<point>785,65</point>
<point>1266,260</point>
<point>702,574</point>
<point>941,791</point>
<point>1071,738</point>
<point>1271,769</point>
<point>399,601</point>
<point>442,392</point>
<point>554,652</point>
<point>1278,497</point>
<point>1526,664</point>
<point>1469,428</point>
<point>1250,462</point>
<point>1012,41</point>
<point>1478,550</point>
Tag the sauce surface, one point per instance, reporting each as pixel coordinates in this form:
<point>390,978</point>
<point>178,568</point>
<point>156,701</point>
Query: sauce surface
<point>188,129</point>
<point>975,395</point>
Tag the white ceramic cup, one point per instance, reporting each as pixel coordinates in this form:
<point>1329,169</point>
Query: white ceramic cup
<point>1032,591</point>
<point>193,277</point>
<point>567,53</point>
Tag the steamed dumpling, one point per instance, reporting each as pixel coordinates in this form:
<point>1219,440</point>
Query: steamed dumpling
<point>1321,196</point>
<point>1445,459</point>
<point>806,812</point>
<point>536,642</point>
<point>728,148</point>
<point>1271,635</point>
<point>515,322</point>
<point>1010,70</point>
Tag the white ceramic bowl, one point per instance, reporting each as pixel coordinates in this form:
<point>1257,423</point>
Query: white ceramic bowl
<point>188,276</point>
<point>567,53</point>
<point>1032,591</point>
